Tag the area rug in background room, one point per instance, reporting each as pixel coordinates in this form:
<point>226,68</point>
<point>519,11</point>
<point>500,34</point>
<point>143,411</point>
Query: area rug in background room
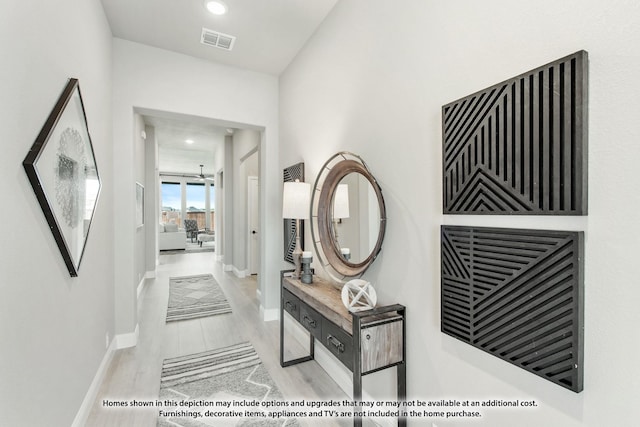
<point>192,248</point>
<point>226,374</point>
<point>191,297</point>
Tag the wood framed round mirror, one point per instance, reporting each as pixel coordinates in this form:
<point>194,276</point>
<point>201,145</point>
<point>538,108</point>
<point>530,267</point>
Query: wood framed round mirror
<point>348,217</point>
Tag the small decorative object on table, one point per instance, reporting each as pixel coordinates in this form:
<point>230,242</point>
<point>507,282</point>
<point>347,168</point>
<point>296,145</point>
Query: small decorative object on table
<point>358,295</point>
<point>307,276</point>
<point>346,253</point>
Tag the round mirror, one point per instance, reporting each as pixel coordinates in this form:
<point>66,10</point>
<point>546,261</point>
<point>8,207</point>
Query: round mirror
<point>355,218</point>
<point>347,217</point>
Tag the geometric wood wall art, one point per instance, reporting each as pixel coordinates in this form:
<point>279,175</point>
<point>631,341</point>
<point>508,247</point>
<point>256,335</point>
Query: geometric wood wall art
<point>520,147</point>
<point>518,295</point>
<point>290,174</point>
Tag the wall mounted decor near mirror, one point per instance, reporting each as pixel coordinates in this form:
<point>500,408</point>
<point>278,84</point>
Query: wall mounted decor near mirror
<point>520,147</point>
<point>348,217</point>
<point>517,294</point>
<point>63,173</point>
<point>290,174</point>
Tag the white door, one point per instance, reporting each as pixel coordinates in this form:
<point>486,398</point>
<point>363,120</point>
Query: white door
<point>253,247</point>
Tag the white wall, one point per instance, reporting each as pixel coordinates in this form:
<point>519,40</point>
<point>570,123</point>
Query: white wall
<point>52,326</point>
<point>151,78</point>
<point>373,80</point>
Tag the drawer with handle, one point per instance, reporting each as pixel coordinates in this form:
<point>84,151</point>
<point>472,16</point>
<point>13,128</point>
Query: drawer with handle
<point>311,320</point>
<point>291,304</point>
<point>339,343</point>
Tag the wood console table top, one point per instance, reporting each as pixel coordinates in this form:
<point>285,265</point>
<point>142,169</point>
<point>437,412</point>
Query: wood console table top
<point>324,297</point>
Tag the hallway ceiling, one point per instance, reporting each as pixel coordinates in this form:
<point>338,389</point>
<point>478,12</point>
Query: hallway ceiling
<point>269,33</point>
<point>175,155</point>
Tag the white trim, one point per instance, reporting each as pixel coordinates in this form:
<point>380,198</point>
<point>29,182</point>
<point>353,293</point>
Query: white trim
<point>151,274</point>
<point>219,258</point>
<point>253,246</point>
<point>128,340</point>
<point>249,153</point>
<point>270,315</point>
<point>241,274</point>
<point>227,267</point>
<point>85,409</point>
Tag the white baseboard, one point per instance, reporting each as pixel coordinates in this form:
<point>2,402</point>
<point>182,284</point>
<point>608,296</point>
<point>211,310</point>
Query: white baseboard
<point>269,315</point>
<point>127,340</point>
<point>150,274</point>
<point>94,388</point>
<point>227,267</point>
<point>241,274</point>
<point>219,258</point>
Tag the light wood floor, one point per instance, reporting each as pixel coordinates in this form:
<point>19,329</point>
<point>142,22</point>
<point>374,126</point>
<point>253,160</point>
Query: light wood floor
<point>135,372</point>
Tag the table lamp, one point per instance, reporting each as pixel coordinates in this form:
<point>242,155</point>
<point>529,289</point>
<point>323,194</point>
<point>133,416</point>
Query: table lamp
<point>296,198</point>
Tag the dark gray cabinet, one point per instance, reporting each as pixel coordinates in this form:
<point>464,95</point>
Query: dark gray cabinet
<point>365,342</point>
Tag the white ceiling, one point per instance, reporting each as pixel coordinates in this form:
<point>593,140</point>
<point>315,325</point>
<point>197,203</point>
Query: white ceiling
<point>175,155</point>
<point>269,34</point>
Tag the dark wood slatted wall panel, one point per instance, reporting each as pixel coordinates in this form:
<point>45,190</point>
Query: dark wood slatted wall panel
<point>520,147</point>
<point>517,294</point>
<point>290,174</point>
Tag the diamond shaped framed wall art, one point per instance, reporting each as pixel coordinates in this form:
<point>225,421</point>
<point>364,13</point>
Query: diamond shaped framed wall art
<point>62,170</point>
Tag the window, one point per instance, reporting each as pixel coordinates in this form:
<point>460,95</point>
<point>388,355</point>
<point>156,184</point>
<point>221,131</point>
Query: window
<point>212,205</point>
<point>171,202</point>
<point>196,208</point>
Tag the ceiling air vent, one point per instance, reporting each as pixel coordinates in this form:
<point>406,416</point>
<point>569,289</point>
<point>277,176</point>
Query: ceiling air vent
<point>216,39</point>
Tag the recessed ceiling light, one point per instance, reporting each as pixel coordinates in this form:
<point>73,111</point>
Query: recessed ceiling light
<point>217,7</point>
<point>189,141</point>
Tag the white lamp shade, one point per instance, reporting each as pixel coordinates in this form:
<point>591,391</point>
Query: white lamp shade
<point>341,202</point>
<point>296,198</point>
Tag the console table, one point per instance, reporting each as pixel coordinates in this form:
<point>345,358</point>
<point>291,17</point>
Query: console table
<point>365,341</point>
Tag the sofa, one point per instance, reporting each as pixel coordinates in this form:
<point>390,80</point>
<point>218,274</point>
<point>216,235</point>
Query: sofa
<point>170,237</point>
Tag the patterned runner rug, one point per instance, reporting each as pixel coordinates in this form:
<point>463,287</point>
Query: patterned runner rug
<point>233,373</point>
<point>191,297</point>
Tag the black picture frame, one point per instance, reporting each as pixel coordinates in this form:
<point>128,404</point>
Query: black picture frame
<point>290,174</point>
<point>63,173</point>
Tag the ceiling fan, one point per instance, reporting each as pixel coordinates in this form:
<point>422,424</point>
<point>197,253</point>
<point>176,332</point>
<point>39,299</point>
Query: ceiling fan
<point>202,176</point>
